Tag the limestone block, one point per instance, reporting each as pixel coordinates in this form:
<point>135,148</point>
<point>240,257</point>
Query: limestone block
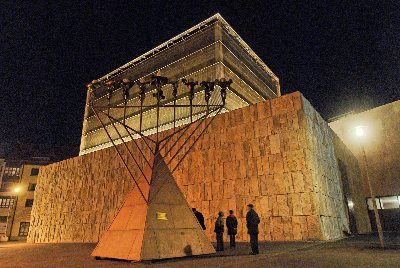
<point>232,204</point>
<point>306,202</point>
<point>263,109</point>
<point>287,228</point>
<point>245,236</point>
<point>241,169</point>
<point>314,228</point>
<point>277,232</point>
<point>254,186</point>
<point>246,189</point>
<point>283,208</point>
<point>279,184</point>
<point>190,196</point>
<point>217,191</point>
<point>218,173</point>
<point>208,191</point>
<point>238,152</point>
<point>229,170</point>
<point>296,204</point>
<point>198,189</point>
<point>263,185</point>
<point>274,205</point>
<point>275,144</point>
<point>265,210</point>
<point>298,182</point>
<point>228,189</point>
<point>261,162</point>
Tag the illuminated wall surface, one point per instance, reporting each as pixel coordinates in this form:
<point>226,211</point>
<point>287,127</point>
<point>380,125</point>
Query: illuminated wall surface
<point>381,143</point>
<point>278,154</point>
<point>205,52</point>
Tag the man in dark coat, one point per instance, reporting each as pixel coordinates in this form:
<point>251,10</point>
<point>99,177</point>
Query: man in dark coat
<point>219,231</point>
<point>199,217</point>
<point>252,221</point>
<point>231,225</point>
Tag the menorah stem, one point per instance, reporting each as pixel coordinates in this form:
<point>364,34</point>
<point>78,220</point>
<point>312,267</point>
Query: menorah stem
<point>174,113</point>
<point>191,110</point>
<point>125,110</point>
<point>108,109</point>
<point>140,117</point>
<point>158,117</point>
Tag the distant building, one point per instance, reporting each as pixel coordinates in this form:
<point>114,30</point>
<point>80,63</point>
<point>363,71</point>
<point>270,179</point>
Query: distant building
<point>382,150</point>
<point>19,170</point>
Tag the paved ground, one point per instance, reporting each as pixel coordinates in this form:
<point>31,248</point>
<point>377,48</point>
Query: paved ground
<point>362,251</point>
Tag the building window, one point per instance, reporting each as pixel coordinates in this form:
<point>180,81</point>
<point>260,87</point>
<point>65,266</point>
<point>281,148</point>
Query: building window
<point>6,186</point>
<point>3,218</point>
<point>385,202</point>
<point>6,201</point>
<point>24,229</point>
<point>11,171</point>
<point>34,171</point>
<point>32,187</point>
<point>28,203</point>
<point>390,202</point>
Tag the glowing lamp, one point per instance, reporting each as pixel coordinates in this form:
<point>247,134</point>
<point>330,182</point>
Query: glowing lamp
<point>17,189</point>
<point>350,204</point>
<point>360,131</point>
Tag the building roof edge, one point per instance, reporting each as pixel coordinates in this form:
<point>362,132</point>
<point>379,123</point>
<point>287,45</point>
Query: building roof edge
<point>190,31</point>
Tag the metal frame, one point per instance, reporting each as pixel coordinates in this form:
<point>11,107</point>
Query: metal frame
<point>158,83</point>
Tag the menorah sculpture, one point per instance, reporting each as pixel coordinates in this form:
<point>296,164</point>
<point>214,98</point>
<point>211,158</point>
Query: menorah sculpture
<point>155,220</point>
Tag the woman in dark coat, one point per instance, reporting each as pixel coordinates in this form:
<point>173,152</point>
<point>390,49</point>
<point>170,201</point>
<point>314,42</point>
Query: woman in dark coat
<point>219,231</point>
<point>231,224</point>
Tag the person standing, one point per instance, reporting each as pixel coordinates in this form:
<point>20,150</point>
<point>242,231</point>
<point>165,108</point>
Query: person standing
<point>231,225</point>
<point>252,221</point>
<point>219,231</point>
<point>199,217</point>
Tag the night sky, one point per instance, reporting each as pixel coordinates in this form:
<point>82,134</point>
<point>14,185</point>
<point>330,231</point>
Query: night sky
<point>342,57</point>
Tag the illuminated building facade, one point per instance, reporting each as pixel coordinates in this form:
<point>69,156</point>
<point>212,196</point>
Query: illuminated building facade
<point>270,150</point>
<point>207,51</point>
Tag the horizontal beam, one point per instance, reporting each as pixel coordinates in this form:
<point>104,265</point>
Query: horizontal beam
<point>161,106</point>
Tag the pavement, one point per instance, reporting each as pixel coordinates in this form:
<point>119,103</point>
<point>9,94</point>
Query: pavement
<point>360,251</point>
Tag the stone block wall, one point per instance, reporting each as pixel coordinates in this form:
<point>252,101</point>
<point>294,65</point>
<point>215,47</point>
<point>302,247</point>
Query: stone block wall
<point>327,192</point>
<point>277,154</point>
<point>354,192</point>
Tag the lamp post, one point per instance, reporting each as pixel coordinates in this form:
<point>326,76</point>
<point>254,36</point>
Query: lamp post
<point>360,132</point>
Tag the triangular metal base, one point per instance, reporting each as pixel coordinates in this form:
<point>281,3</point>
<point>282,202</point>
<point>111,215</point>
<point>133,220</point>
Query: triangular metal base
<point>164,227</point>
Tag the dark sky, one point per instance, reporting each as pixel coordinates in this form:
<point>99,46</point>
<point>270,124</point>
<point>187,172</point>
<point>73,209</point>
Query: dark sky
<point>342,57</point>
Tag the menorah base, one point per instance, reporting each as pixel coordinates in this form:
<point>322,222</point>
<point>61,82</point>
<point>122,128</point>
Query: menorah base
<point>164,227</point>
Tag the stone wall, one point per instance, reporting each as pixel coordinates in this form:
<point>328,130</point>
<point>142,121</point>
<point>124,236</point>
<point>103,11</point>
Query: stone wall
<point>277,154</point>
<point>354,192</point>
<point>327,191</point>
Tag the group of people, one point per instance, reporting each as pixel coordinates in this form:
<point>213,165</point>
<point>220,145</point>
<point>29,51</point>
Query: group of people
<point>252,221</point>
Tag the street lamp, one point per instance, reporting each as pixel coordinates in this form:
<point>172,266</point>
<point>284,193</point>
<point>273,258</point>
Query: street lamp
<point>361,133</point>
<point>17,189</point>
